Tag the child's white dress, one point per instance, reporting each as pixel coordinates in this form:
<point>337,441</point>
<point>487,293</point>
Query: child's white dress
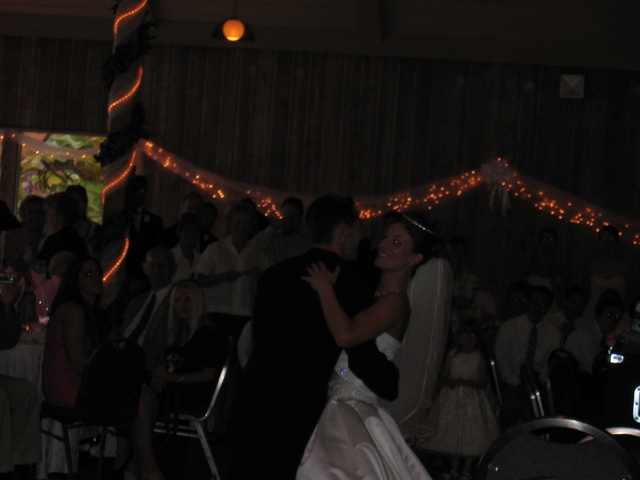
<point>462,418</point>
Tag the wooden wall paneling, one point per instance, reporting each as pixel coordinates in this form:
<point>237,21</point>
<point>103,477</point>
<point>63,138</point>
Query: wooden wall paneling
<point>297,91</point>
<point>29,82</point>
<point>175,96</point>
<point>448,105</point>
<point>363,126</point>
<point>530,87</point>
<point>620,154</point>
<point>352,122</point>
<point>155,87</point>
<point>278,84</point>
<point>350,104</point>
<point>320,172</point>
<point>241,163</point>
<point>242,167</point>
<point>489,80</point>
<point>313,122</point>
<point>94,106</point>
<point>154,93</point>
<point>420,162</point>
<point>268,169</point>
<point>46,61</point>
<point>229,103</point>
<point>195,89</point>
<point>509,91</point>
<point>61,86</point>
<point>364,133</point>
<point>477,97</point>
<point>316,123</point>
<point>75,97</point>
<point>401,159</point>
<point>179,120</point>
<point>383,161</point>
<point>212,111</point>
<point>10,69</point>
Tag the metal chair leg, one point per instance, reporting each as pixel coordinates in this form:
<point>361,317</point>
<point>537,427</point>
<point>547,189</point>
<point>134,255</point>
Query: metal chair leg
<point>67,451</point>
<point>207,450</point>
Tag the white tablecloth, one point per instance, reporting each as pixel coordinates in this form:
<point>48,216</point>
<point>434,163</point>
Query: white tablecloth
<point>24,361</point>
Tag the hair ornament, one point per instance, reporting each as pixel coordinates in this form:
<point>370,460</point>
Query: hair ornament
<point>419,225</point>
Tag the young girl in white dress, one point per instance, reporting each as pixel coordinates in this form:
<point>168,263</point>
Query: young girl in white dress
<point>355,436</point>
<point>462,418</point>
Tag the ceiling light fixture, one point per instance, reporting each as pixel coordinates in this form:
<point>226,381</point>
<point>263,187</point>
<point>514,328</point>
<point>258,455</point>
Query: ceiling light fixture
<point>233,29</point>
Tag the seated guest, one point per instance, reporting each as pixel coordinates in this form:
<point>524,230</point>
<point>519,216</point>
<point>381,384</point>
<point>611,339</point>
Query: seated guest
<point>87,229</point>
<point>289,238</point>
<point>588,340</point>
<point>144,230</point>
<point>470,298</point>
<point>516,304</point>
<point>45,285</point>
<point>73,332</point>
<point>19,401</point>
<point>569,318</point>
<point>524,341</point>
<point>228,271</point>
<point>146,315</point>
<point>61,212</point>
<point>208,216</point>
<point>196,348</point>
<point>544,269</point>
<point>21,245</point>
<point>186,252</point>
<point>192,204</point>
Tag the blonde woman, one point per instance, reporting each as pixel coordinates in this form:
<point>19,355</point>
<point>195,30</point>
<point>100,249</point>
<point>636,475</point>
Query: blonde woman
<point>196,348</point>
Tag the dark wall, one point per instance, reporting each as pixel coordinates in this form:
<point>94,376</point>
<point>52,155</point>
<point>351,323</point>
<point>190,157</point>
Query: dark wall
<point>316,123</point>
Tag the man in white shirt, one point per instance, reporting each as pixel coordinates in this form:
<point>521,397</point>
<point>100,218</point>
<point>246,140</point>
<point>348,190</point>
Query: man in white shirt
<point>228,271</point>
<point>524,341</point>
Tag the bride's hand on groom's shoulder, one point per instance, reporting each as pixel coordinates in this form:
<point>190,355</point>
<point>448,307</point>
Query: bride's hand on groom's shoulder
<point>319,276</point>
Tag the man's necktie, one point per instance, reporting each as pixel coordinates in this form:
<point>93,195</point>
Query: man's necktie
<point>144,319</point>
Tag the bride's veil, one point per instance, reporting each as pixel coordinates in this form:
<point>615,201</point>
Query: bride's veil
<point>420,359</point>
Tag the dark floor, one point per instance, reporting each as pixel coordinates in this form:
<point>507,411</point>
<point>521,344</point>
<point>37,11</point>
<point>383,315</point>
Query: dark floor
<point>183,458</point>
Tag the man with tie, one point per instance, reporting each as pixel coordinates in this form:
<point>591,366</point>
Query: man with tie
<point>524,341</point>
<point>145,318</point>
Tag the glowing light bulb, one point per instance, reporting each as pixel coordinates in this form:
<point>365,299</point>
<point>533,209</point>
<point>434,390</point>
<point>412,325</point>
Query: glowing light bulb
<point>233,30</point>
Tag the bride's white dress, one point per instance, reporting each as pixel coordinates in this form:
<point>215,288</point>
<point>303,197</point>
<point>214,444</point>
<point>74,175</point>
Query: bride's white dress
<point>356,438</point>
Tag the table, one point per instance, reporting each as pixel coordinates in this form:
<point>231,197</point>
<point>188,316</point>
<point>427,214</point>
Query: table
<point>24,361</point>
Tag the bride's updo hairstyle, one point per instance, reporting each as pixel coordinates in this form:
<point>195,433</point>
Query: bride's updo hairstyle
<point>424,231</point>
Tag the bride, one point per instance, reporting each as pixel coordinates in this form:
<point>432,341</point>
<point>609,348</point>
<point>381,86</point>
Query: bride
<point>355,436</point>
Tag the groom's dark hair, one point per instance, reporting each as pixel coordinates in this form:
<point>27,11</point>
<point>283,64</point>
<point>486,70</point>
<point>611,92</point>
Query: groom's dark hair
<point>326,213</point>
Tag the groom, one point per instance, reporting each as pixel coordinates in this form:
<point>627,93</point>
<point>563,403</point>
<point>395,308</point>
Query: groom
<point>283,389</point>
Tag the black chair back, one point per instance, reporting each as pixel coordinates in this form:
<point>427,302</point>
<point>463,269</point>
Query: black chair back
<point>555,447</point>
<point>111,382</point>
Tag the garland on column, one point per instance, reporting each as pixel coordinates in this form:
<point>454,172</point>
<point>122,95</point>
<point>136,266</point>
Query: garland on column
<point>122,74</point>
<point>124,57</point>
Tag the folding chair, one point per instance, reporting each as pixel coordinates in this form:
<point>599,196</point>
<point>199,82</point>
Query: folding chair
<point>557,448</point>
<point>193,426</point>
<point>533,391</point>
<point>108,397</point>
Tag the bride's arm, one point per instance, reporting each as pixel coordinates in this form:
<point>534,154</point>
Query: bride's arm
<point>386,313</point>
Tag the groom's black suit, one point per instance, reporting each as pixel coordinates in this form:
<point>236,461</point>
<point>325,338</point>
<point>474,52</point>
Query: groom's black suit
<point>283,388</point>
